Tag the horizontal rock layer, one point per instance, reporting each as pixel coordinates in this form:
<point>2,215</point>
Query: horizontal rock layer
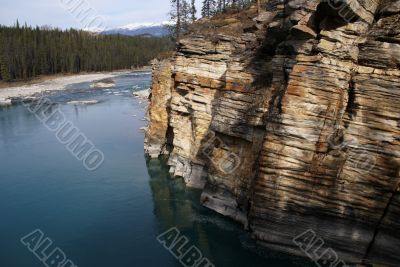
<point>289,120</point>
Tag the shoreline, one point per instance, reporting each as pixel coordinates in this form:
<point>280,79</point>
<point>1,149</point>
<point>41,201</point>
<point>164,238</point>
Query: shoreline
<point>47,84</point>
<point>45,78</point>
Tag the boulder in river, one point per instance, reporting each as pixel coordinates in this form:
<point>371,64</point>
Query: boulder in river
<point>5,102</point>
<point>105,83</point>
<point>21,99</point>
<point>83,102</point>
<point>144,94</point>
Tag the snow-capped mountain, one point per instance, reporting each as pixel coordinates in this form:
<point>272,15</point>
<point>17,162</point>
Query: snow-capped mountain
<point>134,29</point>
<point>94,30</point>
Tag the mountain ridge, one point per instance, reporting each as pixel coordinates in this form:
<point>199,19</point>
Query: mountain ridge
<point>155,29</point>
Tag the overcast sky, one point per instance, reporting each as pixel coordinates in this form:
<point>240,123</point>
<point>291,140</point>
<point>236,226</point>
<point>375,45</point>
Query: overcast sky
<point>55,12</point>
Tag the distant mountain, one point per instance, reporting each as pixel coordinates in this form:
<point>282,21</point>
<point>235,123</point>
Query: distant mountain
<point>94,30</point>
<point>135,29</point>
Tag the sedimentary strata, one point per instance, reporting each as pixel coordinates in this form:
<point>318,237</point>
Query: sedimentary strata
<point>289,120</point>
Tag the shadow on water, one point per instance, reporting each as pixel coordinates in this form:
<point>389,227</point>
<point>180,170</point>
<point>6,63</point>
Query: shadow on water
<point>221,240</point>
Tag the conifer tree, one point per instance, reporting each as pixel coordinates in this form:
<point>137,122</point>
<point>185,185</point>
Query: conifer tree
<point>193,11</point>
<point>176,17</point>
<point>208,9</point>
<point>183,13</point>
<point>4,72</point>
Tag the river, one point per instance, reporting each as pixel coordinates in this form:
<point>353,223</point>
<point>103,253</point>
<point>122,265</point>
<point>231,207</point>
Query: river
<point>113,215</point>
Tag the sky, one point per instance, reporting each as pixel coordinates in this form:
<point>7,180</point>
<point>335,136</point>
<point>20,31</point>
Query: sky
<point>83,13</point>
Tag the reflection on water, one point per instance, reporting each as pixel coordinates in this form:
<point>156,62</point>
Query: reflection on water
<point>222,241</point>
<point>110,217</point>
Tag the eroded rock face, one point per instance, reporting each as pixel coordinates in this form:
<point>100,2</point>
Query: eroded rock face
<point>290,120</point>
<point>156,134</point>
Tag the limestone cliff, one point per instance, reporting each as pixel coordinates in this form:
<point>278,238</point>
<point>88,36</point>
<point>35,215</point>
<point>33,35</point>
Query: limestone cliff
<point>289,120</point>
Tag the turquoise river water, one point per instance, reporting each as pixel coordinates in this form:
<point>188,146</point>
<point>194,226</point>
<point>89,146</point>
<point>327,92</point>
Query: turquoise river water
<point>113,215</point>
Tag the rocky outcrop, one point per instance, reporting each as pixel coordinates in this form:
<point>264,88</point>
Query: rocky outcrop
<point>156,134</point>
<point>289,120</point>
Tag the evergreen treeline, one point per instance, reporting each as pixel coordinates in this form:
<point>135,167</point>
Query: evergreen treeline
<point>183,12</point>
<point>27,52</point>
<point>213,7</point>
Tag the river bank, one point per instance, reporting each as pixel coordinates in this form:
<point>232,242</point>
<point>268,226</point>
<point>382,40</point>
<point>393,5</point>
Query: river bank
<point>28,89</point>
